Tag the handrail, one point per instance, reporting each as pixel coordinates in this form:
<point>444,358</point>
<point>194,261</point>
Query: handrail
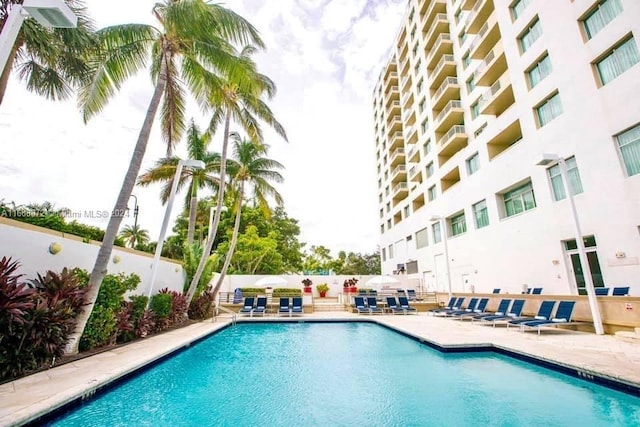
<point>218,308</point>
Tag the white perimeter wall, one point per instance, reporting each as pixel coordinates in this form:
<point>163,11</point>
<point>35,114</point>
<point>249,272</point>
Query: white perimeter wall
<point>23,243</point>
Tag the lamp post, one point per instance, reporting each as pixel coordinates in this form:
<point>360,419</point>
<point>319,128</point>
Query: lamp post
<point>48,13</point>
<point>443,230</point>
<point>196,164</point>
<point>547,159</point>
<point>135,211</point>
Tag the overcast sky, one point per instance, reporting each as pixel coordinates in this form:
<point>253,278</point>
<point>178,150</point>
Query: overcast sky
<point>324,56</point>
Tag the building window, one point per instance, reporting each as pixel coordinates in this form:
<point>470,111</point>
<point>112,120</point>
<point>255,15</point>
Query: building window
<point>471,84</point>
<point>519,200</point>
<point>619,60</point>
<point>425,125</point>
<point>416,69</point>
<point>541,70</point>
<point>390,251</point>
<point>414,51</point>
<point>458,15</point>
<point>518,7</point>
<point>382,229</point>
<point>381,213</point>
<point>430,170</point>
<point>475,110</point>
<point>407,211</point>
<point>388,207</point>
<point>419,87</point>
<point>422,238</point>
<point>413,32</point>
<point>532,34</point>
<point>432,193</point>
<point>421,106</point>
<point>462,37</point>
<point>604,13</point>
<point>411,15</point>
<point>427,145</point>
<point>480,214</point>
<point>384,254</point>
<point>473,164</point>
<point>466,60</point>
<point>388,224</point>
<point>437,236</point>
<point>549,109</point>
<point>629,144</point>
<point>480,130</point>
<point>458,224</point>
<point>556,179</point>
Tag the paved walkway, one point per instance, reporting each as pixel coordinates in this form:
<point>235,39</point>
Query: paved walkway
<point>35,395</point>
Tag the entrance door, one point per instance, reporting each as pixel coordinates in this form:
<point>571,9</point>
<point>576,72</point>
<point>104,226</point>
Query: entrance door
<point>441,273</point>
<point>427,281</point>
<point>571,250</point>
<point>466,283</point>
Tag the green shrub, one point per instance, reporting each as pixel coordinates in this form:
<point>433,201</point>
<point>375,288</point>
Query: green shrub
<point>161,305</point>
<point>202,305</point>
<point>252,292</point>
<point>287,292</point>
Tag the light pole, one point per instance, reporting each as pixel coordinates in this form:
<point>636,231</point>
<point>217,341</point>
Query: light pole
<point>48,13</point>
<point>196,164</point>
<point>547,159</point>
<point>135,211</point>
<point>443,230</point>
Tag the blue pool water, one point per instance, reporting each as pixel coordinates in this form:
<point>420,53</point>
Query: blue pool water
<point>345,374</point>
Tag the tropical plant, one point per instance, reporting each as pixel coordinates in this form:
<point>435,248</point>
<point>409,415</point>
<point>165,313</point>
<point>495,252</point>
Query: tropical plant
<point>133,235</point>
<point>243,103</point>
<point>250,169</point>
<point>322,288</point>
<point>190,51</point>
<point>51,60</point>
<point>165,170</point>
<point>202,305</point>
<point>192,255</point>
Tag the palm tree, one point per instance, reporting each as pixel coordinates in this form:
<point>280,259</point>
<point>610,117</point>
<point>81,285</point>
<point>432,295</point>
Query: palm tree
<point>243,104</point>
<point>51,60</point>
<point>249,168</point>
<point>133,235</point>
<point>165,169</point>
<point>191,50</point>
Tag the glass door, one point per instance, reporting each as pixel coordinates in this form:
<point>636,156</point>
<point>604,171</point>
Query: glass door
<point>571,249</point>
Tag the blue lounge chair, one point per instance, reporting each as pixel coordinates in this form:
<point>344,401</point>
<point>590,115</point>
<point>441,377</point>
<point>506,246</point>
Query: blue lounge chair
<point>284,307</point>
<point>503,306</point>
<point>496,291</point>
<point>620,291</point>
<point>544,313</point>
<point>482,305</point>
<point>456,307</point>
<point>260,308</point>
<point>404,305</point>
<point>411,294</point>
<point>449,306</point>
<point>470,307</point>
<point>248,306</point>
<point>602,292</point>
<point>296,306</point>
<point>513,313</point>
<point>536,291</point>
<point>360,306</point>
<point>562,317</point>
<point>393,307</point>
<point>373,306</point>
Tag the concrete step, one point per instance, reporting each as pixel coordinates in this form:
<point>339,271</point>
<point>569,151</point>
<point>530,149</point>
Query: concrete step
<point>629,336</point>
<point>328,306</point>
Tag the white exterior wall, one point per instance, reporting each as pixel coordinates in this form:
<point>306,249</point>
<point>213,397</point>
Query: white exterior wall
<point>31,249</point>
<point>527,248</point>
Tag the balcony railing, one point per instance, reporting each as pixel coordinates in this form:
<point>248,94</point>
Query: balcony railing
<point>401,186</point>
<point>454,130</point>
<point>450,106</point>
<point>442,62</point>
<point>398,170</point>
<point>444,37</point>
<point>449,81</point>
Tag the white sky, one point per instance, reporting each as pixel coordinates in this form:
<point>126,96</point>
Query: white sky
<point>324,56</point>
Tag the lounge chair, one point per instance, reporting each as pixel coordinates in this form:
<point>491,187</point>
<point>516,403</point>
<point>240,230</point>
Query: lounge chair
<point>411,294</point>
<point>544,313</point>
<point>536,291</point>
<point>456,307</point>
<point>513,313</point>
<point>449,306</point>
<point>393,307</point>
<point>360,306</point>
<point>284,307</point>
<point>496,291</point>
<point>260,308</point>
<point>562,317</point>
<point>373,306</point>
<point>620,291</point>
<point>482,305</point>
<point>602,292</point>
<point>470,307</point>
<point>296,306</point>
<point>404,304</point>
<point>248,306</point>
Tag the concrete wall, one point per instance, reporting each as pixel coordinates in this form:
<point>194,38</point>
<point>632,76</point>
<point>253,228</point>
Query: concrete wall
<point>30,246</point>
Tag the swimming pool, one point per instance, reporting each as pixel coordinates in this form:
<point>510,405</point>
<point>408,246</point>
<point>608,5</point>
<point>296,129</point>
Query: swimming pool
<point>319,374</point>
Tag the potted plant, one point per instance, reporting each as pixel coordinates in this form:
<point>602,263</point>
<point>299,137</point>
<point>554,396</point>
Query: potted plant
<point>322,288</point>
<point>352,285</point>
<point>307,285</point>
<point>346,286</point>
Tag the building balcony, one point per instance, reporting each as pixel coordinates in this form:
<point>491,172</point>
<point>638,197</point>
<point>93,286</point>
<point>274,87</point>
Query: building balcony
<point>491,68</point>
<point>445,68</point>
<point>451,142</point>
<point>429,10</point>
<point>393,109</point>
<point>413,154</point>
<point>396,141</point>
<point>498,98</point>
<point>394,123</point>
<point>439,25</point>
<point>399,174</point>
<point>404,68</point>
<point>405,85</point>
<point>451,114</point>
<point>442,46</point>
<point>467,4</point>
<point>407,100</point>
<point>478,15</point>
<point>390,81</point>
<point>409,116</point>
<point>448,90</point>
<point>487,37</point>
<point>415,174</point>
<point>391,67</point>
<point>503,140</point>
<point>411,134</point>
<point>400,191</point>
<point>450,179</point>
<point>403,47</point>
<point>397,156</point>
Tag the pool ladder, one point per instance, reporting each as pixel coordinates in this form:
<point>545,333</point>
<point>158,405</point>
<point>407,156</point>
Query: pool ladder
<point>226,310</point>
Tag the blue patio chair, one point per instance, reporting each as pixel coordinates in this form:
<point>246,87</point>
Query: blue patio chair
<point>248,306</point>
<point>449,306</point>
<point>360,306</point>
<point>296,306</point>
<point>284,307</point>
<point>470,307</point>
<point>620,291</point>
<point>482,305</point>
<point>513,313</point>
<point>529,290</point>
<point>457,306</point>
<point>404,305</point>
<point>544,313</point>
<point>400,292</point>
<point>260,308</point>
<point>237,296</point>
<point>496,291</point>
<point>393,307</point>
<point>602,291</point>
<point>373,305</point>
<point>562,317</point>
<point>411,294</point>
<point>536,291</point>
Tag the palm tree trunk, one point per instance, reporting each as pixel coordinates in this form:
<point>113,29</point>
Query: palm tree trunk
<point>216,218</point>
<point>193,206</point>
<point>234,240</point>
<point>102,260</point>
<point>4,78</point>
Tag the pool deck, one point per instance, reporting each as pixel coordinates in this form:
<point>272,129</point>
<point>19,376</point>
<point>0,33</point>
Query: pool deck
<point>28,398</point>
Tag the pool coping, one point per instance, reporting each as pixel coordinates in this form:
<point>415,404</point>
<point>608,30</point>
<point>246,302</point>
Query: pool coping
<point>76,399</point>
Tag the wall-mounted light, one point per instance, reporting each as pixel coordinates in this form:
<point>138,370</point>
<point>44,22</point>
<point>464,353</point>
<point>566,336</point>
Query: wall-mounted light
<point>55,248</point>
<point>621,254</point>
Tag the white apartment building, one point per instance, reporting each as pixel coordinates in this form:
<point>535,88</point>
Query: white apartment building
<point>473,95</point>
